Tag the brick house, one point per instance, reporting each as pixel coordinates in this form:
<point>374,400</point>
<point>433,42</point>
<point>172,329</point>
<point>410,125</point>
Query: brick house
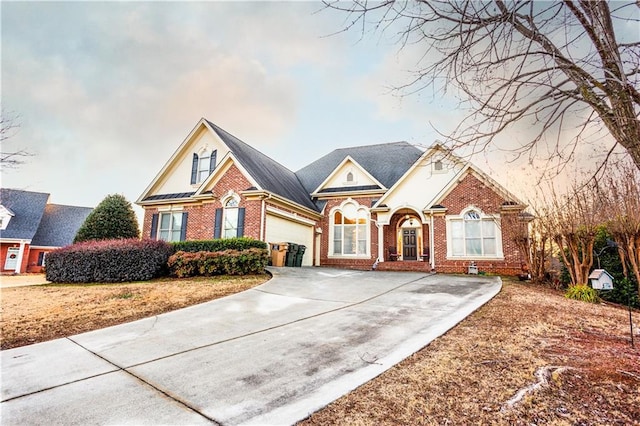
<point>389,205</point>
<point>30,227</point>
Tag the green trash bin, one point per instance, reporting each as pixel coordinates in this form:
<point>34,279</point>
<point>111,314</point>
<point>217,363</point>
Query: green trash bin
<point>291,254</point>
<point>300,255</point>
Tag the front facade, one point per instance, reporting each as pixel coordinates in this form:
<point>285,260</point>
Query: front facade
<point>31,227</point>
<point>388,206</point>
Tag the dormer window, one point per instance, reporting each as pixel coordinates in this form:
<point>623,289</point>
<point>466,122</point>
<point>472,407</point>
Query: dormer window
<point>5,217</point>
<point>202,166</point>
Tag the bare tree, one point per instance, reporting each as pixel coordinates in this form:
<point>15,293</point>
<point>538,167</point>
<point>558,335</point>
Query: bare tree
<point>8,128</point>
<point>572,221</point>
<point>620,199</point>
<point>570,66</point>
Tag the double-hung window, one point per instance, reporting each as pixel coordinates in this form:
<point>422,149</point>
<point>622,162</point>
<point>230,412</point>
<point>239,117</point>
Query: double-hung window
<point>170,226</point>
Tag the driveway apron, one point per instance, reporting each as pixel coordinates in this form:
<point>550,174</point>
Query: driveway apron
<point>270,355</point>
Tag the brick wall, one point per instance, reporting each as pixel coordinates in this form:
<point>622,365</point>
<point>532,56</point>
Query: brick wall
<point>200,225</point>
<point>347,263</point>
<point>471,191</point>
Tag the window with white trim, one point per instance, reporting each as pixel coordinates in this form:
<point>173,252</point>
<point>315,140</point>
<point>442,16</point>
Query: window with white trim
<point>473,234</point>
<point>350,230</point>
<point>204,161</point>
<point>170,226</point>
<point>230,219</point>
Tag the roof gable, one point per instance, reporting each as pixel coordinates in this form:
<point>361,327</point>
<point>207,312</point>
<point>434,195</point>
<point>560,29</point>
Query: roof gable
<point>27,207</point>
<point>349,175</point>
<point>412,184</point>
<point>386,163</point>
<point>174,177</point>
<point>482,177</point>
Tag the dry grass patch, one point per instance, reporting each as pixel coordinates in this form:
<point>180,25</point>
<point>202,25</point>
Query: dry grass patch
<point>40,313</point>
<point>468,375</point>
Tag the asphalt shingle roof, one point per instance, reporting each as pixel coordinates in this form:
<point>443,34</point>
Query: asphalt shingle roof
<point>268,173</point>
<point>59,225</point>
<point>28,208</point>
<point>386,162</point>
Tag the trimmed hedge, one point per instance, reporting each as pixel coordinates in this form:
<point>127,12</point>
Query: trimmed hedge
<point>228,262</point>
<point>108,261</point>
<point>221,244</point>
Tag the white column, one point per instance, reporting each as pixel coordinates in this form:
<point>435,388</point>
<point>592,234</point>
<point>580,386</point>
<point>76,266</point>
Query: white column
<point>20,256</point>
<point>380,242</point>
<point>432,252</point>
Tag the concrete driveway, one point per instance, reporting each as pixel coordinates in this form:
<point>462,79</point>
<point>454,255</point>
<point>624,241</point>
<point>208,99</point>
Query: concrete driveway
<point>270,355</point>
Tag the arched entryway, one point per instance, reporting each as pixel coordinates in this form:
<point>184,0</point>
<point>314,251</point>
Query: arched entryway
<point>408,236</point>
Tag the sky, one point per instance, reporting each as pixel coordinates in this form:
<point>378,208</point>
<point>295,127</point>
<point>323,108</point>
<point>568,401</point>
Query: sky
<point>104,92</point>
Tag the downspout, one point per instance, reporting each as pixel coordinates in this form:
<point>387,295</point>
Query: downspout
<point>262,217</point>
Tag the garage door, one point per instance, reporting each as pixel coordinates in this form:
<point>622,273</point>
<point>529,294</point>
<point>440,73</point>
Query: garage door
<point>283,230</point>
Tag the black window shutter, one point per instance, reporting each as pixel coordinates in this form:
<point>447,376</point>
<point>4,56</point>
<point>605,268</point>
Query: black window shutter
<point>212,161</point>
<point>240,222</point>
<point>217,225</point>
<point>154,226</point>
<point>194,169</point>
<point>183,230</point>
<point>40,258</point>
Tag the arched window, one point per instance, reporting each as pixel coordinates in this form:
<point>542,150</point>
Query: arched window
<point>230,219</point>
<point>350,177</point>
<point>350,225</point>
<point>474,235</point>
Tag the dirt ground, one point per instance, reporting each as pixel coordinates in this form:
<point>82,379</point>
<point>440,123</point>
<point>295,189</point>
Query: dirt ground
<point>578,353</point>
<point>582,354</point>
<point>43,312</point>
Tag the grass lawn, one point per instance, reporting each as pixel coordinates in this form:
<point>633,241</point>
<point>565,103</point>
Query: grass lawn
<point>581,351</point>
<point>44,312</point>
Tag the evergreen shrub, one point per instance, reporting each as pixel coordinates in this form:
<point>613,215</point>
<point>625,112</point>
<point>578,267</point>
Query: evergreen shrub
<point>227,262</point>
<point>221,244</point>
<point>108,261</point>
<point>113,218</point>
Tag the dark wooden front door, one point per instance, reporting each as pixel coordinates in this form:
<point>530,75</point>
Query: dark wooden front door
<point>409,247</point>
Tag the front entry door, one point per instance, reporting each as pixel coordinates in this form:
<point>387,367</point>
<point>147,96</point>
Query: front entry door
<point>409,251</point>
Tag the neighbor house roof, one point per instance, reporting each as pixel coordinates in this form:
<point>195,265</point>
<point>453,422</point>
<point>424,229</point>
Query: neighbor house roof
<point>268,173</point>
<point>27,207</point>
<point>386,162</point>
<point>59,225</point>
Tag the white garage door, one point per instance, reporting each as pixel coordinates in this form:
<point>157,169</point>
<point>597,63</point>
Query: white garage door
<point>281,230</point>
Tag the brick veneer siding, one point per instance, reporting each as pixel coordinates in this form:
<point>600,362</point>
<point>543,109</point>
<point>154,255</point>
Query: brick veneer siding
<point>200,224</point>
<point>201,219</point>
<point>348,263</point>
<point>473,192</point>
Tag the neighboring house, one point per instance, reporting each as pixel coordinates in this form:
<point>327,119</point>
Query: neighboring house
<point>392,205</point>
<point>30,227</point>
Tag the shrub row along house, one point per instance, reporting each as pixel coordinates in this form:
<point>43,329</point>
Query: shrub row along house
<point>30,227</point>
<point>390,205</point>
